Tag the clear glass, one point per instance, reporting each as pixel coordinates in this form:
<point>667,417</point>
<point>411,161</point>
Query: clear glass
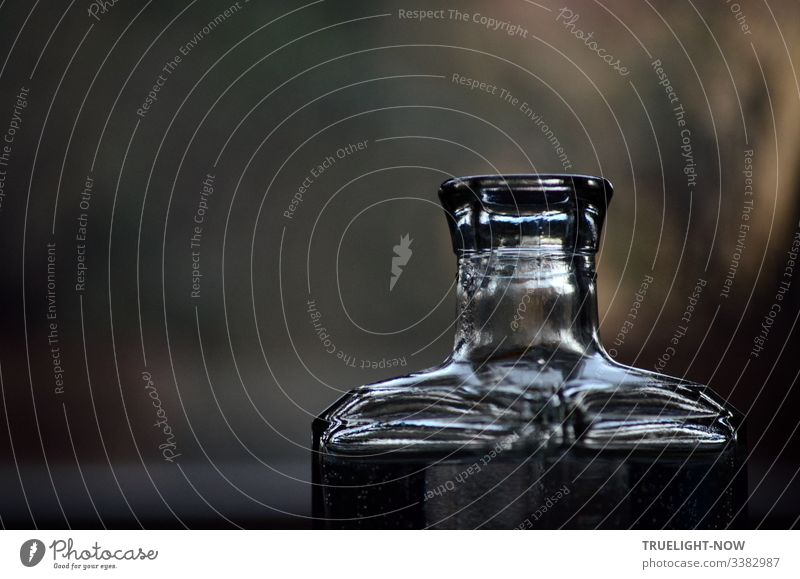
<point>528,369</point>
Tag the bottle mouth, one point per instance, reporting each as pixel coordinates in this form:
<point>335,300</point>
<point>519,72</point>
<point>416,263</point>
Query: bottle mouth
<point>526,211</point>
<point>526,189</point>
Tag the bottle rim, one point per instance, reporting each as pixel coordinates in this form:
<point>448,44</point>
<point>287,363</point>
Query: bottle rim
<point>523,188</point>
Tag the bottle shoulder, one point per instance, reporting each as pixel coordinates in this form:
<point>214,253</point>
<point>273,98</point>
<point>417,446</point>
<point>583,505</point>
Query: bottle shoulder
<point>589,401</point>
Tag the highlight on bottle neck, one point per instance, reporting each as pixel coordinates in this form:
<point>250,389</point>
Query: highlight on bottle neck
<point>533,212</point>
<point>519,301</point>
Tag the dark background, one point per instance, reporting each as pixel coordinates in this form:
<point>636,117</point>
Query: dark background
<point>263,98</point>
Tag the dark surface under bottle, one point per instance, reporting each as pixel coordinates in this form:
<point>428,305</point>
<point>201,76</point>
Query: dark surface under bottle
<point>504,489</point>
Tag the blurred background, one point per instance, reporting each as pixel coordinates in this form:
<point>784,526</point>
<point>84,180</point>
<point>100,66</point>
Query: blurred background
<point>200,201</point>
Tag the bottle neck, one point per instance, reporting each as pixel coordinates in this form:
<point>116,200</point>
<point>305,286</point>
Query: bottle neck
<point>521,302</point>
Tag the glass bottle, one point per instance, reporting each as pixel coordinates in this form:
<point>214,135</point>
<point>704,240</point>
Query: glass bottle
<point>528,369</point>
